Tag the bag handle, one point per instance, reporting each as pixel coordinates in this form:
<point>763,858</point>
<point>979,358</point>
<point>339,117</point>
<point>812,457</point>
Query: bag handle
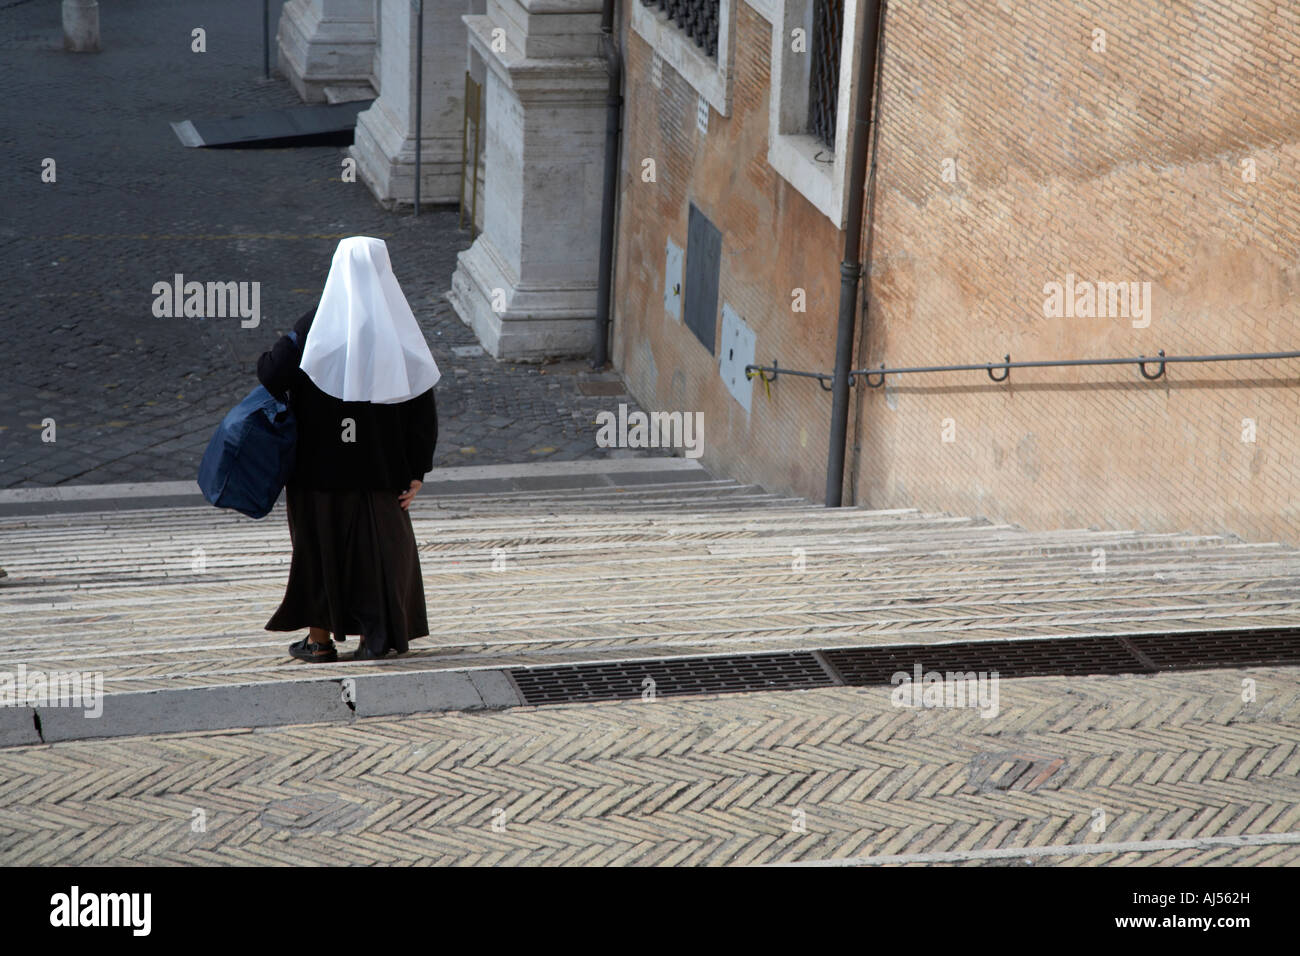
<point>293,337</point>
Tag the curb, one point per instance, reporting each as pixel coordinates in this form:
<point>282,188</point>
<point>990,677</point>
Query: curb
<point>262,704</point>
<point>468,479</point>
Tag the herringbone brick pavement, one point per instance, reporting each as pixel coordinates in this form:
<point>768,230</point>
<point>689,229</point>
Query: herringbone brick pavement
<point>841,773</point>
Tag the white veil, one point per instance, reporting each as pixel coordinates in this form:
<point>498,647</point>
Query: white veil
<point>364,344</point>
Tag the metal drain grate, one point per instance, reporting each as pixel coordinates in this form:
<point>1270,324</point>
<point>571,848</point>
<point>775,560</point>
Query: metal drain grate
<point>628,680</point>
<point>1066,657</point>
<point>1073,656</point>
<point>1223,648</point>
<point>865,666</point>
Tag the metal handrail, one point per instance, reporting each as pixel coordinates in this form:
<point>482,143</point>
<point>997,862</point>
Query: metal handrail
<point>1142,361</point>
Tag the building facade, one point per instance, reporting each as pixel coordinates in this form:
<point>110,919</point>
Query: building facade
<point>1070,179</point>
<point>1060,180</point>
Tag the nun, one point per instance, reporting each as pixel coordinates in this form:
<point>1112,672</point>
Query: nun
<point>360,385</point>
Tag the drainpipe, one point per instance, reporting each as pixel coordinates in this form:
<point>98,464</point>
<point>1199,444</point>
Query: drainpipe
<point>851,267</point>
<point>613,111</point>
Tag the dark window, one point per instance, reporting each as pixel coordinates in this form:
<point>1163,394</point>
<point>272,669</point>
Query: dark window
<point>824,73</point>
<point>703,260</point>
<point>697,18</point>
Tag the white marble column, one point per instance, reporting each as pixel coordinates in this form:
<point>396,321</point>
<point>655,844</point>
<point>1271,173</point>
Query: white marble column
<point>327,43</point>
<point>384,146</point>
<point>527,286</point>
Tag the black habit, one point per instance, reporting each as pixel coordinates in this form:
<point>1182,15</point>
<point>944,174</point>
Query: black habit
<point>355,567</point>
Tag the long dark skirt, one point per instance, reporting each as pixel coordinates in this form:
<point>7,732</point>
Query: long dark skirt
<point>355,568</point>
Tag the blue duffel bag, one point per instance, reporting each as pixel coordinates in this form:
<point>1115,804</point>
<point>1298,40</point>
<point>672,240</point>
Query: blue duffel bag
<point>251,455</point>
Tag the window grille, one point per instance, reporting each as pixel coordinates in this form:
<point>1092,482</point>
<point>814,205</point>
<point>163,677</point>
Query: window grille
<point>697,18</point>
<point>824,73</point>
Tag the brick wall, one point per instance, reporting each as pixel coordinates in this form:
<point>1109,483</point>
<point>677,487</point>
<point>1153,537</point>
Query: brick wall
<point>1122,165</point>
<point>773,241</point>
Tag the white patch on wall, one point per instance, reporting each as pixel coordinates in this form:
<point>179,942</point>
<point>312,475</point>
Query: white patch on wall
<point>702,116</point>
<point>657,71</point>
<point>673,280</point>
<point>649,369</point>
<point>735,352</point>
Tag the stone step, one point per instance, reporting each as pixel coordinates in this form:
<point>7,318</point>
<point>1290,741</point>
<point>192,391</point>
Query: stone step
<point>349,93</point>
<point>665,561</point>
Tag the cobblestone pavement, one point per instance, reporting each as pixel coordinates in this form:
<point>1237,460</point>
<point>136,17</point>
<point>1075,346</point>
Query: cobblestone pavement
<point>1067,765</point>
<point>135,397</point>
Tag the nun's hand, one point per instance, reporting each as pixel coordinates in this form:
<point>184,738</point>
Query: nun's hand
<point>405,497</point>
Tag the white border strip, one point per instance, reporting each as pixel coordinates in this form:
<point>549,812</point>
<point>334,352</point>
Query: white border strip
<point>163,489</point>
<point>1068,849</point>
<point>187,134</point>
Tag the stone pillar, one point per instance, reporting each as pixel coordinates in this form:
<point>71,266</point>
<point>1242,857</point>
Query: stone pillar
<point>527,286</point>
<point>328,43</point>
<point>478,72</point>
<point>81,26</point>
<point>384,145</point>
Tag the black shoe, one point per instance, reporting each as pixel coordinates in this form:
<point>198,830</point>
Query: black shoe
<point>313,653</point>
<point>364,653</point>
